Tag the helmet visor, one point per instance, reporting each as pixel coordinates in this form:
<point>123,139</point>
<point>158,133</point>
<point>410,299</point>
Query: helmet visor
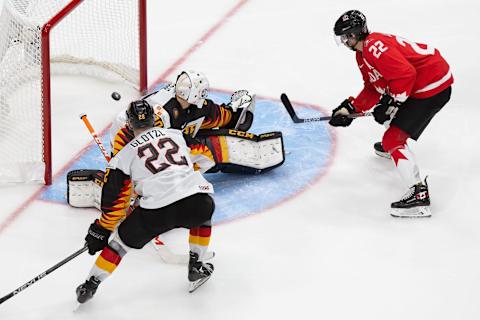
<point>341,39</point>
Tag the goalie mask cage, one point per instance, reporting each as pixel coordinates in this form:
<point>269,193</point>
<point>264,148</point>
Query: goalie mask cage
<point>99,38</point>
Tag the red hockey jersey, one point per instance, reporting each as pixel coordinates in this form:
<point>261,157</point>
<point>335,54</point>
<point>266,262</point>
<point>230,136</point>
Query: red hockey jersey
<point>401,68</point>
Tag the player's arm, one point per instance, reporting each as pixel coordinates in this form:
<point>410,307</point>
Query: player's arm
<point>116,193</point>
<point>120,134</point>
<point>367,98</point>
<point>216,116</point>
<point>237,113</point>
<point>121,138</point>
<point>114,203</point>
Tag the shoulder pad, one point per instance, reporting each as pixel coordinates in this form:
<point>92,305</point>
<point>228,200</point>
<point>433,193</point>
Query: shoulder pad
<point>162,117</point>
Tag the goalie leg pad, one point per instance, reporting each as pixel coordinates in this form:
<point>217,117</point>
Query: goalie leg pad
<point>84,188</point>
<point>243,152</point>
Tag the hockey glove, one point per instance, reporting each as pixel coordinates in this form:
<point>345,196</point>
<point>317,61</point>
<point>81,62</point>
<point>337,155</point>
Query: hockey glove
<point>97,237</point>
<point>242,104</point>
<point>340,113</point>
<point>385,109</point>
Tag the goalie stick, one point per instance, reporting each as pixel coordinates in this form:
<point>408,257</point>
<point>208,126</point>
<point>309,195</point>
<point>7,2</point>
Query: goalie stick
<point>166,254</point>
<point>288,105</point>
<point>43,274</point>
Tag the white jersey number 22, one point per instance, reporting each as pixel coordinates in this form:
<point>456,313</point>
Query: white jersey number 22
<point>155,153</point>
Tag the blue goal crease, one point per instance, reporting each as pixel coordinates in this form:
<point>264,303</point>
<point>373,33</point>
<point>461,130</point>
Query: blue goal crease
<point>308,149</point>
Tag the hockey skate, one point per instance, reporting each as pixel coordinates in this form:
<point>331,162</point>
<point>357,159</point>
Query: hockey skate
<point>86,290</point>
<point>379,151</point>
<point>414,204</point>
<point>198,272</point>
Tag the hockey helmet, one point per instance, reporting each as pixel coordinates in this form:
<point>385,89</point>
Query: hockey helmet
<point>351,25</point>
<point>140,114</point>
<point>192,86</point>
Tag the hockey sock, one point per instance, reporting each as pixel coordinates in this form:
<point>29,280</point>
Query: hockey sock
<point>109,259</point>
<point>395,143</point>
<point>199,240</point>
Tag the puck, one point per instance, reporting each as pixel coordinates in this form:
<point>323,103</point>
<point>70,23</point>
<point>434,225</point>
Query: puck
<point>116,96</point>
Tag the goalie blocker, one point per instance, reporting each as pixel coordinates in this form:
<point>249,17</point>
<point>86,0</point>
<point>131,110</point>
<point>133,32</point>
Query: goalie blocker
<point>233,151</point>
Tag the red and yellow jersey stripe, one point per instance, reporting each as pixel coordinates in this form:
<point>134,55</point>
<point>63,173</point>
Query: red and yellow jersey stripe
<point>116,193</point>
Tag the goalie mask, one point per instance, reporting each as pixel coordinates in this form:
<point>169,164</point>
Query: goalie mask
<point>140,115</point>
<point>192,86</point>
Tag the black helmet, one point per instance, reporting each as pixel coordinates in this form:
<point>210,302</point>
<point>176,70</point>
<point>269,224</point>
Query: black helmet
<point>352,23</point>
<point>140,114</point>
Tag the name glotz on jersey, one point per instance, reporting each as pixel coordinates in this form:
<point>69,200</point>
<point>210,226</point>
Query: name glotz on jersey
<point>401,68</point>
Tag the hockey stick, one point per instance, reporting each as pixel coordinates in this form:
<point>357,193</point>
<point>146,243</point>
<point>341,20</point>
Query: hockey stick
<point>97,140</point>
<point>43,274</point>
<point>288,105</point>
<point>165,254</point>
<point>169,257</point>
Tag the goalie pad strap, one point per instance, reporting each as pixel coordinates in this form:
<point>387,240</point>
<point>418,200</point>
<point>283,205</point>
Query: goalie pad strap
<point>239,134</point>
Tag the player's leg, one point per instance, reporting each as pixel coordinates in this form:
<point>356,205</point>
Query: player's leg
<point>410,122</point>
<point>416,201</point>
<point>415,117</point>
<point>131,233</point>
<point>195,213</point>
<point>106,263</point>
<point>199,239</point>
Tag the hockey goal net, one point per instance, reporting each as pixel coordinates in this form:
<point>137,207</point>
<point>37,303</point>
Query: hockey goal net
<point>99,38</point>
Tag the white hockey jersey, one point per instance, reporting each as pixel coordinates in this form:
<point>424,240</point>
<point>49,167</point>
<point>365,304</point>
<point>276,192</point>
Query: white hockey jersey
<point>159,163</point>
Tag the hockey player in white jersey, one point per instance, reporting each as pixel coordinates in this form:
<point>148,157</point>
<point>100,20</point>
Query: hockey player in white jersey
<point>157,161</point>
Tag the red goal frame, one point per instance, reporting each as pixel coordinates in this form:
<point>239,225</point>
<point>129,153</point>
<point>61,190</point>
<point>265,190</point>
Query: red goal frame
<point>46,86</point>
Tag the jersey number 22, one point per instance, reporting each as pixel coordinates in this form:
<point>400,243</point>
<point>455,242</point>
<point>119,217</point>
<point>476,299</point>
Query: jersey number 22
<point>169,155</point>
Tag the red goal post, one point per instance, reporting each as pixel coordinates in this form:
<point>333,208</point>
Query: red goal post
<point>99,38</point>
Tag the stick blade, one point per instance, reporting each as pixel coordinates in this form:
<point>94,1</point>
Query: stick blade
<point>288,105</point>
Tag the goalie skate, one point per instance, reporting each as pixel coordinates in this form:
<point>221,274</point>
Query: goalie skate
<point>198,272</point>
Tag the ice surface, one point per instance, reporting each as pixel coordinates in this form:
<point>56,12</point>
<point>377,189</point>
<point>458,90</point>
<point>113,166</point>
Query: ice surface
<point>330,251</point>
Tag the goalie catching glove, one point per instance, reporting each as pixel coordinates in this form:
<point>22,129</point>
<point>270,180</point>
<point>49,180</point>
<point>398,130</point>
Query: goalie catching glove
<point>242,104</point>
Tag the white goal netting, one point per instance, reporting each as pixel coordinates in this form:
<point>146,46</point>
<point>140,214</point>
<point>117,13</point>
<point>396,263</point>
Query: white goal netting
<point>99,38</point>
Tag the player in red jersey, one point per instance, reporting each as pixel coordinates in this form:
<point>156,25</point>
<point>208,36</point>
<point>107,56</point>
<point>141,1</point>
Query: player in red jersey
<point>406,84</point>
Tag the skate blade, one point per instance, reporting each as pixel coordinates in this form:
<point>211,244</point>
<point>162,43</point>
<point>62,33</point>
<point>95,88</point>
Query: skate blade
<point>194,285</point>
<point>385,155</point>
<point>415,212</point>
